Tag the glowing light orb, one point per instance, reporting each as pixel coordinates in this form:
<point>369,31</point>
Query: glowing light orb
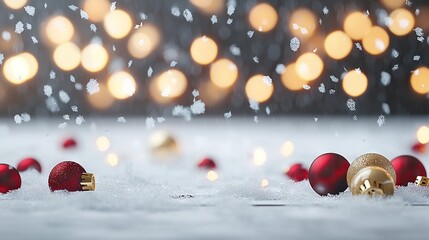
<point>59,30</point>
<point>287,149</point>
<point>15,4</point>
<point>203,50</point>
<point>420,80</point>
<point>118,24</point>
<point>67,56</point>
<point>96,9</point>
<point>223,73</point>
<point>121,85</point>
<point>309,66</point>
<point>263,17</point>
<point>211,94</point>
<point>259,156</point>
<point>94,57</point>
<point>102,143</point>
<point>20,68</point>
<point>101,100</point>
<point>423,134</point>
<point>143,41</point>
<point>112,159</point>
<point>357,25</point>
<point>302,23</point>
<point>392,4</point>
<point>212,176</point>
<point>169,84</point>
<point>265,183</point>
<point>209,6</point>
<point>338,45</point>
<point>291,80</point>
<point>376,41</point>
<point>355,83</point>
<point>259,88</point>
<point>401,22</point>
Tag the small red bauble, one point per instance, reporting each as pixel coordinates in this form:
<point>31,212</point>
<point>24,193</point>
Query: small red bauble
<point>207,163</point>
<point>70,176</point>
<point>328,174</point>
<point>297,172</point>
<point>407,169</point>
<point>9,178</point>
<point>29,163</point>
<point>419,148</point>
<point>69,143</point>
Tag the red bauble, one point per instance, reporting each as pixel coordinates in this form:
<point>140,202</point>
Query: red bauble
<point>407,169</point>
<point>69,143</point>
<point>66,176</point>
<point>297,172</point>
<point>207,163</point>
<point>328,173</point>
<point>9,178</point>
<point>419,148</point>
<point>29,163</point>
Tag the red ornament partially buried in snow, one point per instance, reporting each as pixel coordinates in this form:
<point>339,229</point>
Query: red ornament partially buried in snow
<point>9,178</point>
<point>407,169</point>
<point>29,163</point>
<point>297,172</point>
<point>69,143</point>
<point>207,163</point>
<point>72,177</point>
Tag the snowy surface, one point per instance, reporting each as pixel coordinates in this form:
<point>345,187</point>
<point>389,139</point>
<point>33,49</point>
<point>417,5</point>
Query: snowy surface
<point>139,198</point>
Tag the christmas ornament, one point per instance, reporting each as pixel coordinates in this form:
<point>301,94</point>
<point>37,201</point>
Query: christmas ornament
<point>371,174</point>
<point>422,181</point>
<point>407,168</point>
<point>419,148</point>
<point>72,177</point>
<point>297,172</point>
<point>207,163</point>
<point>163,144</point>
<point>327,174</point>
<point>69,143</point>
<point>9,178</point>
<point>29,163</point>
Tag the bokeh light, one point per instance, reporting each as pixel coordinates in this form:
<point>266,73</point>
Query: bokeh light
<point>357,25</point>
<point>223,73</point>
<point>20,68</point>
<point>168,85</point>
<point>67,56</point>
<point>259,88</point>
<point>209,6</point>
<point>259,156</point>
<point>211,94</point>
<point>338,45</point>
<point>15,4</point>
<point>420,80</point>
<point>265,183</point>
<point>291,80</point>
<point>302,23</point>
<point>102,143</point>
<point>212,175</point>
<point>112,159</point>
<point>59,29</point>
<point>376,41</point>
<point>143,41</point>
<point>401,22</point>
<point>393,4</point>
<point>263,17</point>
<point>96,9</point>
<point>94,57</point>
<point>287,149</point>
<point>102,99</point>
<point>121,85</point>
<point>309,66</point>
<point>354,83</point>
<point>203,50</point>
<point>423,134</point>
<point>118,23</point>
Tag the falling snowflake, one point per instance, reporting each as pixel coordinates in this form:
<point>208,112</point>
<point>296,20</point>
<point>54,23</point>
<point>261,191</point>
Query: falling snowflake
<point>268,110</point>
<point>112,6</point>
<point>1,58</point>
<point>267,80</point>
<point>73,7</point>
<point>150,123</point>
<point>254,105</point>
<point>351,105</point>
<point>30,10</point>
<point>325,10</point>
<point>294,44</point>
<point>160,119</point>
<point>52,75</point>
<point>93,27</point>
<point>34,39</point>
<point>149,72</point>
<point>173,63</point>
<point>122,120</point>
<point>19,27</point>
<point>92,86</point>
<point>213,19</point>
<point>198,107</point>
<point>227,114</point>
<point>380,120</point>
<point>280,68</point>
<point>74,108</point>
<point>386,108</point>
<point>80,120</point>
<point>333,78</point>
<point>322,88</point>
<point>52,104</point>
<point>229,21</point>
<point>64,97</point>
<point>84,15</point>
<point>358,46</point>
<point>235,50</point>
<point>385,78</point>
<point>188,15</point>
<point>231,7</point>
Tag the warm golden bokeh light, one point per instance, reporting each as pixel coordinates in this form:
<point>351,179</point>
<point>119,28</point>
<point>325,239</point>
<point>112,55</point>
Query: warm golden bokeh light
<point>355,83</point>
<point>102,99</point>
<point>392,4</point>
<point>401,22</point>
<point>287,149</point>
<point>59,30</point>
<point>121,85</point>
<point>212,176</point>
<point>291,80</point>
<point>96,9</point>
<point>67,56</point>
<point>376,41</point>
<point>94,57</point>
<point>309,66</point>
<point>265,183</point>
<point>118,24</point>
<point>263,17</point>
<point>423,134</point>
<point>112,159</point>
<point>143,41</point>
<point>102,143</point>
<point>20,68</point>
<point>338,45</point>
<point>259,89</point>
<point>259,156</point>
<point>168,85</point>
<point>209,6</point>
<point>357,25</point>
<point>420,80</point>
<point>223,73</point>
<point>203,50</point>
<point>211,94</point>
<point>302,23</point>
<point>15,4</point>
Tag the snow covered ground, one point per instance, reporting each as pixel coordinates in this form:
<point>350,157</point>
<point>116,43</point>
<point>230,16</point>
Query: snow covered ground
<point>148,198</point>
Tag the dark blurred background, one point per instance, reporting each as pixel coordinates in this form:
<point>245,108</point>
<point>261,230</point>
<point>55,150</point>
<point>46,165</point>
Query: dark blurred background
<point>24,30</point>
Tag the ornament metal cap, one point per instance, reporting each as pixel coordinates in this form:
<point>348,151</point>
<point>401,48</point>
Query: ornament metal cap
<point>88,182</point>
<point>422,181</point>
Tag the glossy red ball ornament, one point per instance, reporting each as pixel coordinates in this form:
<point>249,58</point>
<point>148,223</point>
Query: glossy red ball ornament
<point>297,172</point>
<point>207,163</point>
<point>69,143</point>
<point>419,148</point>
<point>9,178</point>
<point>29,163</point>
<point>407,169</point>
<point>70,176</point>
<point>328,174</point>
